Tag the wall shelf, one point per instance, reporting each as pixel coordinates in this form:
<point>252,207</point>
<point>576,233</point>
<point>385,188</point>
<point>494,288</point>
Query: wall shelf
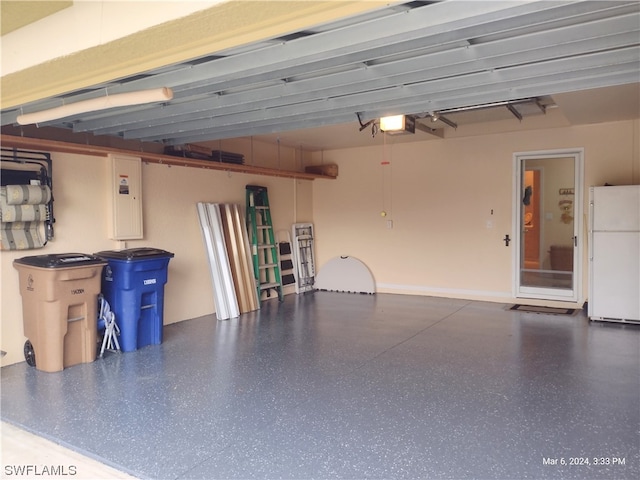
<point>12,141</point>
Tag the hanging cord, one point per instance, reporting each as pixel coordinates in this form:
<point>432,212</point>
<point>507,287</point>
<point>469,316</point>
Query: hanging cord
<point>390,154</point>
<point>382,169</point>
<point>387,183</point>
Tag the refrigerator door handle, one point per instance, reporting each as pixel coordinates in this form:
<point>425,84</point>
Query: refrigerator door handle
<point>590,240</point>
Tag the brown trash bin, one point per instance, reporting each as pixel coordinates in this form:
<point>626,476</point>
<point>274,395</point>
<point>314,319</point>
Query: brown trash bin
<point>60,308</point>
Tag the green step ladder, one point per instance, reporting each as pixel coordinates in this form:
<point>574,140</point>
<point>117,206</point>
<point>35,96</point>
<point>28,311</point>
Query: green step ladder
<point>264,251</point>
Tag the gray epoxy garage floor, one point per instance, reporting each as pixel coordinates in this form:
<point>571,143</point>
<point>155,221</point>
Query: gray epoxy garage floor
<point>334,385</point>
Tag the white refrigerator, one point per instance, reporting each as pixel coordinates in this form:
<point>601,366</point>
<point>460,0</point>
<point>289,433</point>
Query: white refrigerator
<point>614,253</point>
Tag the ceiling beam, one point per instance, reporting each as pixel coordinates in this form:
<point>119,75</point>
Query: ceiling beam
<point>446,22</point>
<point>410,59</point>
<point>411,106</point>
<point>378,87</point>
<point>448,88</point>
<point>456,62</point>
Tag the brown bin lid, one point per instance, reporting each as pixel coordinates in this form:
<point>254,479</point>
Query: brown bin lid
<point>60,260</point>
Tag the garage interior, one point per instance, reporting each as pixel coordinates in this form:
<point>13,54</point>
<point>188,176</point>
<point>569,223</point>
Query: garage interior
<point>432,376</point>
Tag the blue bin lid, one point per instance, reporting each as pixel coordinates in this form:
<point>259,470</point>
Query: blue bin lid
<point>60,260</point>
<point>141,253</point>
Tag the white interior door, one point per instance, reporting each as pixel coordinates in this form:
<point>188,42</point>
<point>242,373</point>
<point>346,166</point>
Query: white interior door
<point>547,219</point>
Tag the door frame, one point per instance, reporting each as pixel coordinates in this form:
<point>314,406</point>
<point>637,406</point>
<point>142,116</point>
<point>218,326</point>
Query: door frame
<point>556,294</point>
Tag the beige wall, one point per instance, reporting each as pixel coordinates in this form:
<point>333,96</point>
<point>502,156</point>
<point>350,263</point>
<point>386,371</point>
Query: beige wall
<point>171,223</point>
<point>439,195</point>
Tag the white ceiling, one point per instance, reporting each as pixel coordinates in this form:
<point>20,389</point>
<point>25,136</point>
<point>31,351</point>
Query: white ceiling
<point>306,88</point>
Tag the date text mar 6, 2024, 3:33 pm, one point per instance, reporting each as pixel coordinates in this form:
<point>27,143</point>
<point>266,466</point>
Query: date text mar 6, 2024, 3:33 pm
<point>586,461</point>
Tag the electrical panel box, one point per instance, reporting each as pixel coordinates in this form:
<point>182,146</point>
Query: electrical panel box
<point>126,195</point>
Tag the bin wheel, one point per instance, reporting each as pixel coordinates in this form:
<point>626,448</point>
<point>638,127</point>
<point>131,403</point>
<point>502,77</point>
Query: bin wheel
<point>29,354</point>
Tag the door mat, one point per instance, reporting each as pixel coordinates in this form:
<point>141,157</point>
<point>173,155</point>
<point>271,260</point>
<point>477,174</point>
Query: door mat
<point>549,310</point>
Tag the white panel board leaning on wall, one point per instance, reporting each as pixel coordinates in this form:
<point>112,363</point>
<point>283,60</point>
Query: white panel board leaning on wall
<point>227,245</point>
<point>223,292</point>
<point>345,274</point>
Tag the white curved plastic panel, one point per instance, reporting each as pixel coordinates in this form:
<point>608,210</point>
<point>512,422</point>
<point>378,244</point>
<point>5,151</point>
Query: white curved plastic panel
<point>345,274</point>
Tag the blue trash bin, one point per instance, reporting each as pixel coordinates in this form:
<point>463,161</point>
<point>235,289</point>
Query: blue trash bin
<point>133,284</point>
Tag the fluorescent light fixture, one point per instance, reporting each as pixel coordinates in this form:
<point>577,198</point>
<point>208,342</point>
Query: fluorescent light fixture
<point>393,123</point>
<point>141,97</point>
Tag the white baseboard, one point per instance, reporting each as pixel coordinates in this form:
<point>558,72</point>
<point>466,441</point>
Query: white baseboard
<point>488,295</point>
<point>467,294</point>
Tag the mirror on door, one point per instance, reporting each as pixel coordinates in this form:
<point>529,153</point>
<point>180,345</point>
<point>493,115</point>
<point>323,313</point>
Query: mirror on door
<point>547,223</point>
